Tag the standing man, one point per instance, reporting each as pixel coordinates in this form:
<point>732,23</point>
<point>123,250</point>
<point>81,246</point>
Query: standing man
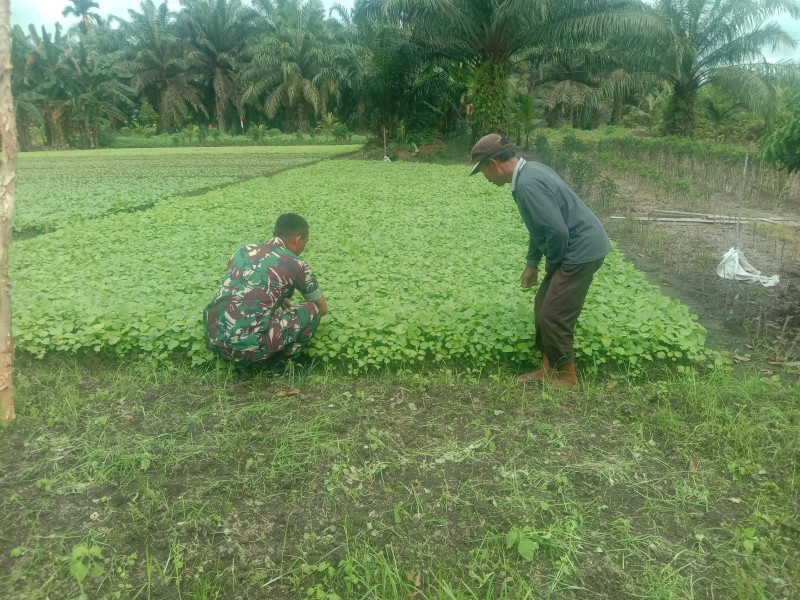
<point>568,235</point>
<point>251,318</point>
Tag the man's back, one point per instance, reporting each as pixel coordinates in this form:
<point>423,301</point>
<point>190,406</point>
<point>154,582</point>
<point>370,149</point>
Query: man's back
<point>543,199</point>
<point>259,278</point>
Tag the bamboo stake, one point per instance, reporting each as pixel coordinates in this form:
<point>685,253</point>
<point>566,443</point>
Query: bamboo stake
<point>8,184</point>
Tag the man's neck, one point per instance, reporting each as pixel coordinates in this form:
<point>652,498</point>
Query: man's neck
<point>510,166</point>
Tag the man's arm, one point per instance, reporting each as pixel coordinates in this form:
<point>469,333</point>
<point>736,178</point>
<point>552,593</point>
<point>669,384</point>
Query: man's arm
<point>322,305</point>
<point>534,255</point>
<point>306,282</point>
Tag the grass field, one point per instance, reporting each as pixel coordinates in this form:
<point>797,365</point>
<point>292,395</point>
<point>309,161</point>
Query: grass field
<point>131,478</point>
<point>166,483</point>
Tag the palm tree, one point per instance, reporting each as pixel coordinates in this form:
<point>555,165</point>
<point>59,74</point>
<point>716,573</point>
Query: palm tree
<point>51,72</point>
<point>26,100</point>
<point>782,146</point>
<point>327,124</point>
<point>217,30</point>
<point>489,34</point>
<point>721,42</point>
<point>292,68</point>
<point>99,93</point>
<point>83,10</point>
<point>524,117</point>
<point>380,73</point>
<point>157,60</point>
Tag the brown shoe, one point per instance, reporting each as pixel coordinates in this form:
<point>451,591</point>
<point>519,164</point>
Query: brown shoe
<point>542,374</point>
<point>567,378</point>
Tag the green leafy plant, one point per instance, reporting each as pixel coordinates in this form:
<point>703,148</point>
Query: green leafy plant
<point>85,560</point>
<point>327,124</point>
<point>398,295</point>
<point>66,187</point>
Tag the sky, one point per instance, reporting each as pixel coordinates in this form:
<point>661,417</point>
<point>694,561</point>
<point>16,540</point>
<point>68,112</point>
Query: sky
<point>47,12</point>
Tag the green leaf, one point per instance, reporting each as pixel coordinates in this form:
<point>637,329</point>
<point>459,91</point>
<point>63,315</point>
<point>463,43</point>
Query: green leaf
<point>526,547</point>
<point>511,539</point>
<point>79,570</point>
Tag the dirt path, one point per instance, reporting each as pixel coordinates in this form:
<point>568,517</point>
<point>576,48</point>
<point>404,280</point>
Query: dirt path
<point>682,260</point>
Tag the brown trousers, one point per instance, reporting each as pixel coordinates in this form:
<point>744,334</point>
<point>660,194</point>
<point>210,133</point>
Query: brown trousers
<point>558,305</point>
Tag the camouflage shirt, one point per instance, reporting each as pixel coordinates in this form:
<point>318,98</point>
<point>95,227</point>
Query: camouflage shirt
<point>259,278</point>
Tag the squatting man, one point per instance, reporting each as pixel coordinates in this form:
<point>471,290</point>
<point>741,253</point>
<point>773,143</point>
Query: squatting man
<point>251,319</point>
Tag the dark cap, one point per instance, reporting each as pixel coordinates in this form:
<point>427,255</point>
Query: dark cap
<point>486,147</point>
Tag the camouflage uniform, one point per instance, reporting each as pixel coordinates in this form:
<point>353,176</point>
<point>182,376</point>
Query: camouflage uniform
<point>244,322</point>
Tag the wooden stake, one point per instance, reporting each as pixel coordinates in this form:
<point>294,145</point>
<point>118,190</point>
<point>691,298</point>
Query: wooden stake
<point>8,184</point>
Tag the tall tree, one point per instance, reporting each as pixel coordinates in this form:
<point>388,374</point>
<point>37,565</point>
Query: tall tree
<point>8,183</point>
<point>291,69</point>
<point>488,34</point>
<point>26,101</point>
<point>51,71</point>
<point>721,42</point>
<point>99,93</point>
<point>83,10</point>
<point>156,58</point>
<point>217,30</point>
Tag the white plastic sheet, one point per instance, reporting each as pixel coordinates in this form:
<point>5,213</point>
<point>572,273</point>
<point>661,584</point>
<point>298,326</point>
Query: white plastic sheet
<point>735,266</point>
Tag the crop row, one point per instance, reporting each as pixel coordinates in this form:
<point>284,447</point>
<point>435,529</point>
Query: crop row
<point>60,188</point>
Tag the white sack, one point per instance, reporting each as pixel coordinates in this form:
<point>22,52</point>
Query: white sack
<point>735,266</point>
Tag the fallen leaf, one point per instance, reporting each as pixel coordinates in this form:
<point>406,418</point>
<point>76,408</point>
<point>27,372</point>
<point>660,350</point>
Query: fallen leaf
<point>748,346</point>
<point>735,500</point>
<point>745,358</point>
<point>692,466</point>
<point>129,417</point>
<point>291,392</point>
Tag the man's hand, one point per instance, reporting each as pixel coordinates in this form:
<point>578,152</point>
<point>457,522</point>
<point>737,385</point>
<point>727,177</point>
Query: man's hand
<point>530,277</point>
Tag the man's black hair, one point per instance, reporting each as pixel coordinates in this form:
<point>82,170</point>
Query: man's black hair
<point>504,154</point>
<point>290,225</point>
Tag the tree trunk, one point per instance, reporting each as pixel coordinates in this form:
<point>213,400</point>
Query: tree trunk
<point>57,141</point>
<point>302,117</point>
<point>680,110</point>
<point>488,95</point>
<point>87,133</point>
<point>8,184</point>
<point>220,106</point>
<point>619,109</point>
<point>163,119</point>
<point>25,141</point>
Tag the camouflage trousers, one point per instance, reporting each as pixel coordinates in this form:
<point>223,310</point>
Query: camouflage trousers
<point>288,332</point>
